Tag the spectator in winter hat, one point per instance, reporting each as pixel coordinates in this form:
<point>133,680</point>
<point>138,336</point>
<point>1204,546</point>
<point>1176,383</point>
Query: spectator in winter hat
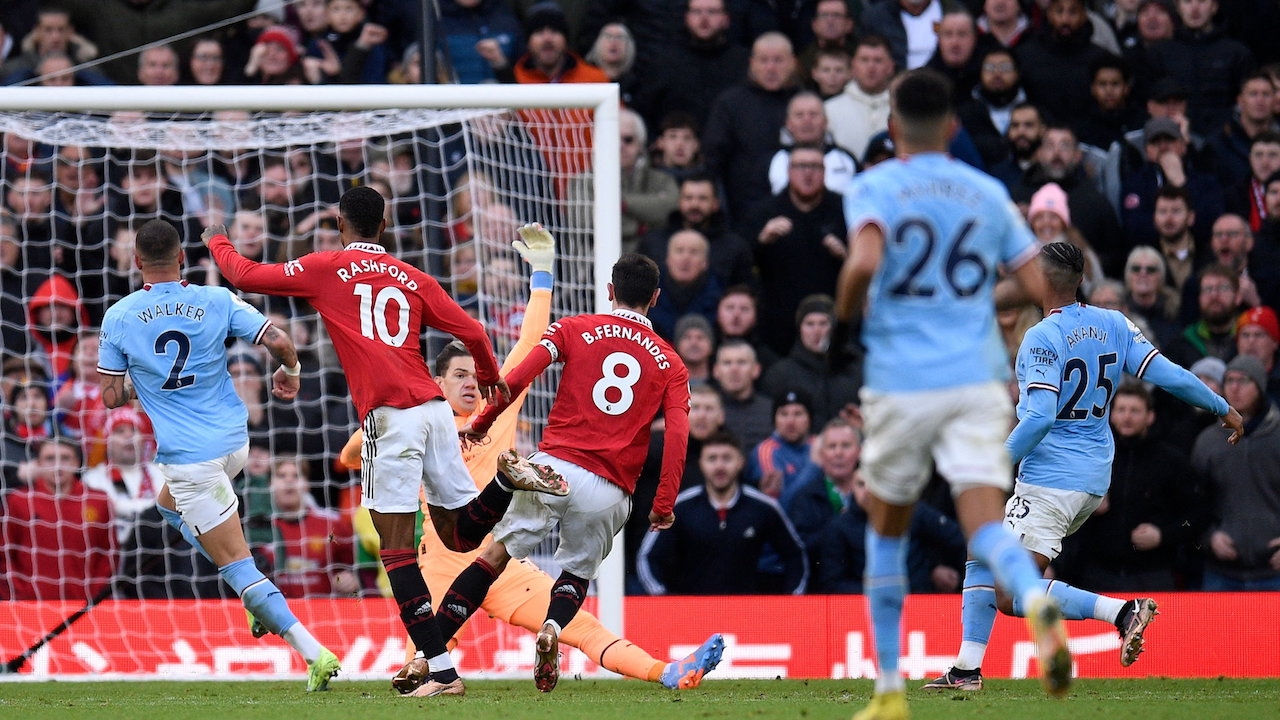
<point>549,58</point>
<point>1050,219</point>
<point>1258,335</point>
<point>776,462</point>
<point>274,58</point>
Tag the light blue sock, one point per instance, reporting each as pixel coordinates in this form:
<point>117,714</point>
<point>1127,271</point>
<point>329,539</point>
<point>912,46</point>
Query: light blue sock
<point>977,615</point>
<point>995,546</point>
<point>175,519</point>
<point>259,595</point>
<point>1076,604</point>
<point>885,584</point>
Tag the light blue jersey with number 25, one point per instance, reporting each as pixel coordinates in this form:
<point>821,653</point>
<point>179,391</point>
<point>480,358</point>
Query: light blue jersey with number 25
<point>171,340</point>
<point>948,228</point>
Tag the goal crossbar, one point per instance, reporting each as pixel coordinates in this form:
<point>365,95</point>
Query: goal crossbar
<point>603,98</point>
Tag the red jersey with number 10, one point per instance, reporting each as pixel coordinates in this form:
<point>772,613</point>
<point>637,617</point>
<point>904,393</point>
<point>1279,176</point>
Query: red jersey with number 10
<point>618,376</point>
<point>375,308</point>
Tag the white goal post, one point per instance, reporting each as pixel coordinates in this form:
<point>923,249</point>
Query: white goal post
<point>324,116</point>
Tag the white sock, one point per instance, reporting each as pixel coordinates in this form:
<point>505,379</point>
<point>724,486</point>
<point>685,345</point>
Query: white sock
<point>301,639</point>
<point>971,655</point>
<point>1107,608</point>
<point>890,682</point>
<point>440,662</point>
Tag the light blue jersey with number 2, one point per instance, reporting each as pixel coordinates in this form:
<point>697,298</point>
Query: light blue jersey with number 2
<point>947,229</point>
<point>171,340</point>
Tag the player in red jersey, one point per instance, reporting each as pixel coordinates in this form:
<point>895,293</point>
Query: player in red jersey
<point>618,376</point>
<point>375,308</point>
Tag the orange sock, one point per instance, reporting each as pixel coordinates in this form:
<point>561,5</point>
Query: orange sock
<point>596,642</point>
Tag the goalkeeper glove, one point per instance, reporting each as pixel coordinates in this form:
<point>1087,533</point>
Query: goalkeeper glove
<point>536,246</point>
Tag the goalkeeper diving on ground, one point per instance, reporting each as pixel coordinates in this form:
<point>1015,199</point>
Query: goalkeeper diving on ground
<point>520,594</point>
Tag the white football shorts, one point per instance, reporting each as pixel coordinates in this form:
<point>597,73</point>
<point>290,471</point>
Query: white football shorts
<point>202,491</point>
<point>589,516</point>
<point>1043,516</point>
<point>407,449</point>
<point>961,430</point>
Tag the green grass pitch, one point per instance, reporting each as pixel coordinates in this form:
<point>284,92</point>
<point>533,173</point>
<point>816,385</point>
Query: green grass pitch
<point>1150,699</point>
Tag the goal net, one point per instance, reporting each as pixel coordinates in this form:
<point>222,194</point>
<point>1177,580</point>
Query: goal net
<point>83,168</point>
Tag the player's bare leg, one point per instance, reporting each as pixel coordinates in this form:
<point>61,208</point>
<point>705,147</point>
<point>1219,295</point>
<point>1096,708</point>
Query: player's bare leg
<point>226,547</point>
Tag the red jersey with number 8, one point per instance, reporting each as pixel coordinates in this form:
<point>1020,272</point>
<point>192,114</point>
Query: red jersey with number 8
<point>618,376</point>
<point>375,308</point>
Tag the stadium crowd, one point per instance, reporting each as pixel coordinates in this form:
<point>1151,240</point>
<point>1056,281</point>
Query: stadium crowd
<point>1145,132</point>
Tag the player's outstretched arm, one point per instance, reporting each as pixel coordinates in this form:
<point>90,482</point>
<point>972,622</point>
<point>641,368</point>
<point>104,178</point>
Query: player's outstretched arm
<point>538,248</point>
<point>515,383</point>
<point>1185,386</point>
<point>250,276</point>
<point>284,382</point>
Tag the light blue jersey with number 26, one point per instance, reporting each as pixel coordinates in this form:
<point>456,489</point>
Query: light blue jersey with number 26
<point>948,228</point>
<point>171,340</point>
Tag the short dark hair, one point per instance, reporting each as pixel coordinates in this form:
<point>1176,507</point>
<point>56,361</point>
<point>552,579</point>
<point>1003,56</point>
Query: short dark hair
<point>1027,105</point>
<point>1273,177</point>
<point>1063,265</point>
<point>700,177</point>
<point>678,120</point>
<point>872,40</point>
<point>1265,136</point>
<point>810,146</point>
<point>722,437</point>
<point>1138,389</point>
<point>1056,126</point>
<point>453,350</point>
<point>157,242</point>
<point>838,52</point>
<point>923,94</point>
<point>143,160</point>
<point>1174,192</point>
<point>740,289</point>
<point>921,99</point>
<point>362,207</point>
<point>53,8</point>
<point>736,342</point>
<point>1107,61</point>
<point>60,440</point>
<point>1259,74</point>
<point>635,277</point>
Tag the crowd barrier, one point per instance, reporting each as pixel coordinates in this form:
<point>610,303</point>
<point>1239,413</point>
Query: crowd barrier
<point>1197,635</point>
